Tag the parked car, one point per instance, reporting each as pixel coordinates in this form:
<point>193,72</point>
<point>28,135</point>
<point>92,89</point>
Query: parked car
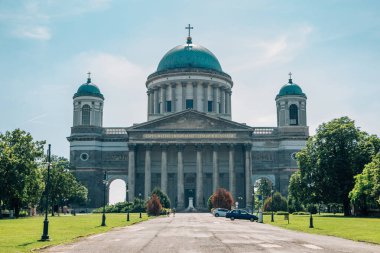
<point>241,214</point>
<point>220,212</point>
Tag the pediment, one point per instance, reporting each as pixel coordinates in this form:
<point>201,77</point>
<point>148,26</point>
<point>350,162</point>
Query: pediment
<point>190,120</point>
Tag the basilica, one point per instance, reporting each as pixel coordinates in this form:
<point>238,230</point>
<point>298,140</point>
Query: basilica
<point>189,146</point>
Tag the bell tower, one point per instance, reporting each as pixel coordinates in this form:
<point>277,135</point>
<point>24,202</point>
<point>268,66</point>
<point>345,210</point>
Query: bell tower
<point>88,105</point>
<point>291,105</point>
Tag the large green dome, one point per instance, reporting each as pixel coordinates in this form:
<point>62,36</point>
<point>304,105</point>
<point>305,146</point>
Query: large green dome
<point>88,89</point>
<point>189,56</point>
<point>291,89</point>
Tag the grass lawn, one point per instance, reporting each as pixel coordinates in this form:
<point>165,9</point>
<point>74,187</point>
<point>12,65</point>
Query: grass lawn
<point>353,228</point>
<point>22,235</point>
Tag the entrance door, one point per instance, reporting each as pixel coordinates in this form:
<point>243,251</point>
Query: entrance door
<point>189,193</point>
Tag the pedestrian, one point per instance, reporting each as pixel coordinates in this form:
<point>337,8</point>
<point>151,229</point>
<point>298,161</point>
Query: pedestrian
<point>173,212</point>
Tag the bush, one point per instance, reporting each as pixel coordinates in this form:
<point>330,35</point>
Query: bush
<point>282,213</point>
<point>279,203</point>
<point>222,198</point>
<point>301,213</point>
<point>209,204</point>
<point>164,199</point>
<point>153,206</point>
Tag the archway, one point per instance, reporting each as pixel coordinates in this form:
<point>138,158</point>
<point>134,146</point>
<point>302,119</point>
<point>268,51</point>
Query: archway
<point>117,191</point>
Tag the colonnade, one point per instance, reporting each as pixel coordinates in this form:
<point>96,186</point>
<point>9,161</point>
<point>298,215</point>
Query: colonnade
<point>200,93</point>
<point>199,171</point>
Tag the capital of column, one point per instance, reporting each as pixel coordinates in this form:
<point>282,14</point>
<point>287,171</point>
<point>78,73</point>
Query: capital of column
<point>173,85</point>
<point>194,83</point>
<point>131,146</point>
<point>231,146</point>
<point>183,84</point>
<point>180,147</point>
<point>215,146</point>
<point>248,146</point>
<point>148,146</point>
<point>205,84</point>
<point>199,147</point>
<point>215,85</point>
<point>164,146</point>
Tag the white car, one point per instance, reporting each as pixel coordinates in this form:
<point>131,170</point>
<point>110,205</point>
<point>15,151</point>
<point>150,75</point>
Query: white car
<point>220,212</point>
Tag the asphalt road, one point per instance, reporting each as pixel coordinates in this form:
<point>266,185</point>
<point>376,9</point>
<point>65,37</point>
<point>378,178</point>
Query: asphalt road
<point>204,233</point>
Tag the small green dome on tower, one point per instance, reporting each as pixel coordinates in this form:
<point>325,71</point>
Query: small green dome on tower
<point>88,89</point>
<point>189,55</point>
<point>291,89</point>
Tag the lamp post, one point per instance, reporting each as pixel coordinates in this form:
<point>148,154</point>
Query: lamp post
<point>311,218</point>
<point>104,199</point>
<point>253,199</point>
<point>140,203</point>
<point>128,203</point>
<point>272,218</point>
<point>45,234</point>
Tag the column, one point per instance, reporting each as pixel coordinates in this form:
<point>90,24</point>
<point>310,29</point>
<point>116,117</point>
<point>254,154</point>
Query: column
<point>173,85</point>
<point>149,101</point>
<point>205,97</point>
<point>163,109</point>
<point>180,178</point>
<point>214,99</point>
<point>148,181</point>
<point>131,172</point>
<point>231,170</point>
<point>248,174</point>
<point>155,100</point>
<point>215,168</point>
<point>199,190</point>
<point>183,96</point>
<point>223,99</point>
<point>195,97</point>
<point>164,168</point>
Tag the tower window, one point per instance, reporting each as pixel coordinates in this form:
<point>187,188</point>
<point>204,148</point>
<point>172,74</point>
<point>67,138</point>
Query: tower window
<point>293,115</point>
<point>220,107</point>
<point>159,108</point>
<point>168,106</point>
<point>189,104</point>
<point>86,115</point>
<point>209,106</point>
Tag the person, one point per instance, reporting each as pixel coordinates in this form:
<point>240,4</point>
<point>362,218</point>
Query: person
<point>173,212</point>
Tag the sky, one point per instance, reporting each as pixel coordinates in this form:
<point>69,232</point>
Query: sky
<point>47,47</point>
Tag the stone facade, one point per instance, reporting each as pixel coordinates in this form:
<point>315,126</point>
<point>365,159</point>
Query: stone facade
<point>189,146</point>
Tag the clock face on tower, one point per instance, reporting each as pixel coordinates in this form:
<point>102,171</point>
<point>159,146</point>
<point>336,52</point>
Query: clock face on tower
<point>293,156</point>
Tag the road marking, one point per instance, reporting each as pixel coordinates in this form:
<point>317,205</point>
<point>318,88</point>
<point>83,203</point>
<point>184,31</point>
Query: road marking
<point>311,246</point>
<point>268,245</point>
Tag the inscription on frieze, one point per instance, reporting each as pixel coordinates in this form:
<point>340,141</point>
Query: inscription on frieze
<point>263,156</point>
<point>115,157</point>
<point>190,136</point>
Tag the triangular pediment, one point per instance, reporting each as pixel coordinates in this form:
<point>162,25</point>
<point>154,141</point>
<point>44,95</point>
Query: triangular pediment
<point>190,120</point>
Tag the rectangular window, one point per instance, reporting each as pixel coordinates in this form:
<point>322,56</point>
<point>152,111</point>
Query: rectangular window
<point>168,106</point>
<point>209,106</point>
<point>159,108</point>
<point>189,104</point>
<point>220,107</point>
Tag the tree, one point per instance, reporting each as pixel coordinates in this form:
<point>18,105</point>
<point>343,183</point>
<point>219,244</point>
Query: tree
<point>297,192</point>
<point>153,206</point>
<point>64,187</point>
<point>366,191</point>
<point>278,203</point>
<point>222,198</point>
<point>20,181</point>
<point>164,199</point>
<point>331,159</point>
<point>264,187</point>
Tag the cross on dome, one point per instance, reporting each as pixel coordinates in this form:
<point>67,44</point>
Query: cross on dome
<point>290,77</point>
<point>89,77</point>
<point>189,40</point>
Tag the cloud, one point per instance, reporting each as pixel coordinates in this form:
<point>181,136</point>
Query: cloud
<point>37,32</point>
<point>120,81</point>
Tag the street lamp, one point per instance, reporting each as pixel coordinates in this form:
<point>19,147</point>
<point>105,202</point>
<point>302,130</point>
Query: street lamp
<point>253,199</point>
<point>127,203</point>
<point>105,182</point>
<point>272,218</point>
<point>45,234</point>
<point>140,203</point>
<point>311,218</point>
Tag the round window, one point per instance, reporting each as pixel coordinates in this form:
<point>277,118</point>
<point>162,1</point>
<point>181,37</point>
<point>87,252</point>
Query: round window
<point>84,156</point>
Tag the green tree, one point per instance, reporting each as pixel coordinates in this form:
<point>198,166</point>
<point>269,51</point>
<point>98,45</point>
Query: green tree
<point>164,199</point>
<point>222,198</point>
<point>20,181</point>
<point>278,203</point>
<point>64,187</point>
<point>264,187</point>
<point>331,159</point>
<point>366,191</point>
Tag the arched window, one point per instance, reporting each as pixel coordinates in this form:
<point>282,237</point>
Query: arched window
<point>86,115</point>
<point>293,115</point>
